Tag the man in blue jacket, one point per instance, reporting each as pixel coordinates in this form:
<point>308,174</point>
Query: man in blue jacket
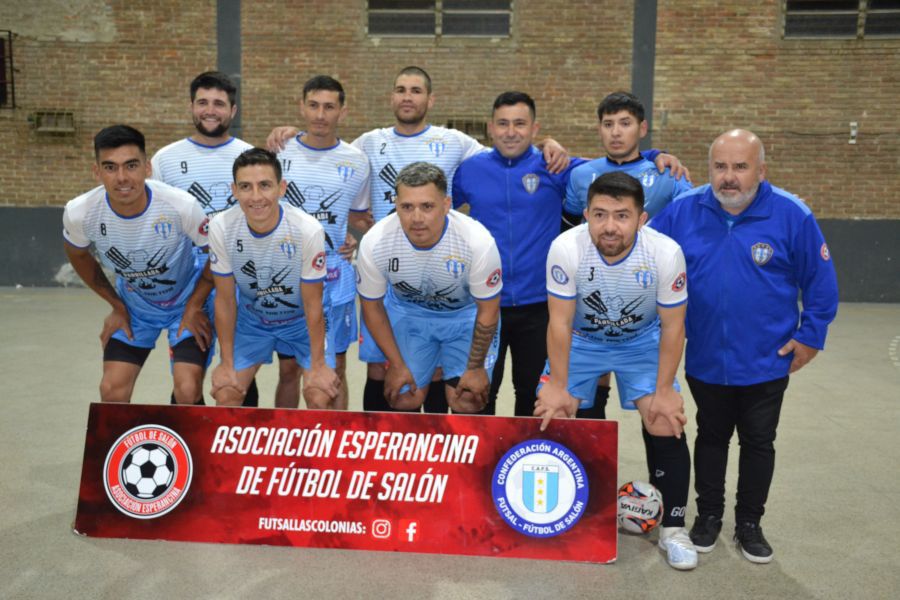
<point>750,248</point>
<point>511,192</point>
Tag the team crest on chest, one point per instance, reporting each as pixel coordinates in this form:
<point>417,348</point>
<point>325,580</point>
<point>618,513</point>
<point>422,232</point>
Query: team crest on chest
<point>288,248</point>
<point>644,277</point>
<point>455,266</point>
<point>761,253</point>
<point>531,182</point>
<point>345,171</point>
<point>648,178</point>
<point>163,227</point>
<point>437,147</point>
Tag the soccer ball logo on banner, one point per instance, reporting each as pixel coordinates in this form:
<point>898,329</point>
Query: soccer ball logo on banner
<point>147,472</point>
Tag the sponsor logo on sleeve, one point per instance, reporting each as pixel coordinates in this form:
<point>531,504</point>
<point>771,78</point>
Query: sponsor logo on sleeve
<point>679,282</point>
<point>318,261</point>
<point>204,227</point>
<point>494,278</point>
<point>826,255</point>
<point>559,275</point>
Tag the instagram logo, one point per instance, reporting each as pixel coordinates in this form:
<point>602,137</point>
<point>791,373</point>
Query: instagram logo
<point>381,529</point>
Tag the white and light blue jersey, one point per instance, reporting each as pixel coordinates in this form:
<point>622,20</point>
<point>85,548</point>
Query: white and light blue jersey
<point>389,151</point>
<point>616,302</point>
<point>203,171</point>
<point>268,268</point>
<point>659,188</point>
<point>463,266</point>
<point>327,184</point>
<point>150,252</point>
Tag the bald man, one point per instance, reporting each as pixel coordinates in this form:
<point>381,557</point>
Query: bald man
<point>750,249</point>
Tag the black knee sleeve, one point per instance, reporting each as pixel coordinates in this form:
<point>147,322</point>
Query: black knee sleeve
<point>598,411</point>
<point>436,398</point>
<point>251,399</point>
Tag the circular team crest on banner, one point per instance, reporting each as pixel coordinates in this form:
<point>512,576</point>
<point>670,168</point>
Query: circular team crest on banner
<point>540,488</point>
<point>147,471</point>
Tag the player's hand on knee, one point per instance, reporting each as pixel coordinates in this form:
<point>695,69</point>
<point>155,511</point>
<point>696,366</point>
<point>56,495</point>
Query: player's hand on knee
<point>470,394</point>
<point>554,401</point>
<point>279,136</point>
<point>322,378</point>
<point>225,381</point>
<point>196,321</point>
<point>395,378</point>
<point>668,161</point>
<point>114,321</point>
<point>668,405</point>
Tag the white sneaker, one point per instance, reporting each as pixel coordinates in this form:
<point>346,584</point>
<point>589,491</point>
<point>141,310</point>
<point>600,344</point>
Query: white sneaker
<point>680,551</point>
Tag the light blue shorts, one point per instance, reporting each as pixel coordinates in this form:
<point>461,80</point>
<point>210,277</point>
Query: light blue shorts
<point>342,323</point>
<point>255,342</point>
<point>634,362</point>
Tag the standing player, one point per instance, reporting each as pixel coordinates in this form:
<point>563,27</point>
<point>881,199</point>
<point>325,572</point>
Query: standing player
<point>329,179</point>
<point>430,280</point>
<point>752,249</point>
<point>201,165</point>
<point>622,127</point>
<point>389,150</point>
<point>143,231</point>
<point>269,265</point>
<point>617,294</point>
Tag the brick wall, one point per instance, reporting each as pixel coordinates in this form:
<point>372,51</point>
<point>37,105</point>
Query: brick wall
<point>719,65</point>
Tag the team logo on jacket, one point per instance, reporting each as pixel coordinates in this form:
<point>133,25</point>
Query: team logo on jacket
<point>531,182</point>
<point>823,251</point>
<point>147,471</point>
<point>494,279</point>
<point>318,261</point>
<point>648,178</point>
<point>679,282</point>
<point>540,488</point>
<point>288,248</point>
<point>163,227</point>
<point>761,253</point>
<point>437,147</point>
<point>345,171</point>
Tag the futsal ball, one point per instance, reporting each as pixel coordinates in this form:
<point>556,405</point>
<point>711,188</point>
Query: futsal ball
<point>148,471</point>
<point>640,507</point>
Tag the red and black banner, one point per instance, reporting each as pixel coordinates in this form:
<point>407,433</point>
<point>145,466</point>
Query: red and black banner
<point>449,484</point>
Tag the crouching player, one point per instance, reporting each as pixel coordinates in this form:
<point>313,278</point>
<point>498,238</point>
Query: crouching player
<point>617,299</point>
<point>274,255</point>
<point>430,281</point>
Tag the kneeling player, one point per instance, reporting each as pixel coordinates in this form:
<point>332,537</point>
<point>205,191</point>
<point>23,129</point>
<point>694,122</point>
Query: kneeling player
<point>443,304</point>
<point>617,299</point>
<point>274,255</point>
<point>143,231</point>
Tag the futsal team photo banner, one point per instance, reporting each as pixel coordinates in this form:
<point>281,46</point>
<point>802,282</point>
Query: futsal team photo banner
<point>447,484</point>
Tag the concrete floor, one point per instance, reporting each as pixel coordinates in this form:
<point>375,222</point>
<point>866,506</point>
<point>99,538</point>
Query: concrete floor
<point>831,514</point>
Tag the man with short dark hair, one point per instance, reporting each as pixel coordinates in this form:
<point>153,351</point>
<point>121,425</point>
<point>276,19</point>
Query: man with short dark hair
<point>617,292</point>
<point>429,280</point>
<point>751,250</point>
<point>269,264</point>
<point>329,180</point>
<point>142,230</point>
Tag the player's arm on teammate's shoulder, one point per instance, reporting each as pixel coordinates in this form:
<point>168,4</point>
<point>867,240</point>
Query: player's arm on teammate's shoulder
<point>398,374</point>
<point>667,403</point>
<point>358,223</point>
<point>554,399</point>
<point>664,160</point>
<point>555,155</point>
<point>91,273</point>
<point>279,136</point>
<point>195,318</point>
<point>472,390</point>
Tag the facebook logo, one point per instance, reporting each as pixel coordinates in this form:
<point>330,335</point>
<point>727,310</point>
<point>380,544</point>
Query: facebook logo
<point>410,528</point>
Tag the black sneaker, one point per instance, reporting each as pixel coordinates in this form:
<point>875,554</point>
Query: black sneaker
<point>752,542</point>
<point>705,531</point>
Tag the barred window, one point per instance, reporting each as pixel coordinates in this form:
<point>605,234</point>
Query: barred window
<point>847,19</point>
<point>7,70</point>
<point>448,18</point>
